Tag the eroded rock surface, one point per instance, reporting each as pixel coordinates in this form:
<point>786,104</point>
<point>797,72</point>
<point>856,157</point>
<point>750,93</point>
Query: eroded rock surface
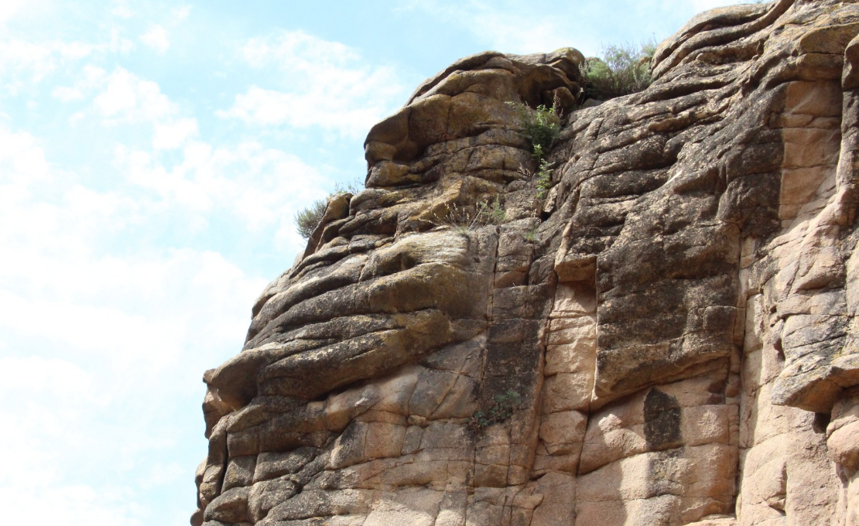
<point>666,336</point>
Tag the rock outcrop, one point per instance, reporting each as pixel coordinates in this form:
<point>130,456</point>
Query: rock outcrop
<point>662,332</point>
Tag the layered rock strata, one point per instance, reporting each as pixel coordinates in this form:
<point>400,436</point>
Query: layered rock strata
<point>664,336</point>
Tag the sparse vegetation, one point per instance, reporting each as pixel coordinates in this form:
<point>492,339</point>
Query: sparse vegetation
<point>493,213</point>
<point>544,178</point>
<point>307,219</point>
<point>540,126</point>
<point>503,408</point>
<point>352,187</point>
<point>621,70</point>
<point>485,213</point>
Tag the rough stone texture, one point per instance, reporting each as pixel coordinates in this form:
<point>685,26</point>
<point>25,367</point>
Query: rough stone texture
<point>667,337</point>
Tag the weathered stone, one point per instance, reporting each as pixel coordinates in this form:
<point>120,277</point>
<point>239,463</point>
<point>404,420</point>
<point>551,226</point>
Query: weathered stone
<point>230,507</point>
<point>667,336</point>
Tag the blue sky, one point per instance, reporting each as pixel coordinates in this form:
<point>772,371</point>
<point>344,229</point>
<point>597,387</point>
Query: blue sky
<point>152,157</point>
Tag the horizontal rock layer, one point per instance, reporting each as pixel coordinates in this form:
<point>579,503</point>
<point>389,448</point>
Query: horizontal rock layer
<point>659,332</point>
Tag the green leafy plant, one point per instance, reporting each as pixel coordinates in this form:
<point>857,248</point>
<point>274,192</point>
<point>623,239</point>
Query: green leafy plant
<point>530,236</point>
<point>621,70</point>
<point>545,169</point>
<point>544,178</point>
<point>500,411</point>
<point>307,219</point>
<point>540,126</point>
<point>493,213</point>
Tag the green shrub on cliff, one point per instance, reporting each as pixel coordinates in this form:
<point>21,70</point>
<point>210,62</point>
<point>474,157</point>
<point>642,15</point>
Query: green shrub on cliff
<point>503,408</point>
<point>621,70</point>
<point>544,178</point>
<point>308,218</point>
<point>540,126</point>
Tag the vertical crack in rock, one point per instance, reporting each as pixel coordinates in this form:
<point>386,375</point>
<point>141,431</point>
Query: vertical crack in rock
<point>667,337</point>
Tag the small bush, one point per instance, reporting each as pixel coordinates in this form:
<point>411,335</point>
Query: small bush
<point>503,409</point>
<point>621,70</point>
<point>308,219</point>
<point>541,127</point>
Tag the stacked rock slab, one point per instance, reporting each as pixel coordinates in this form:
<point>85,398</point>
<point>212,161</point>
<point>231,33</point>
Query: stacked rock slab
<point>667,336</point>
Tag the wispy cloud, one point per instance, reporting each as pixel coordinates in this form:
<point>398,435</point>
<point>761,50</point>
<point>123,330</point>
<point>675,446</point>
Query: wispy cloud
<point>10,9</point>
<point>20,57</point>
<point>258,186</point>
<point>121,9</point>
<point>180,13</point>
<point>91,334</point>
<point>318,83</point>
<point>156,38</point>
<point>121,97</point>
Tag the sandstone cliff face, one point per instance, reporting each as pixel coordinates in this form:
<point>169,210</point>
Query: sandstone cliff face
<point>666,337</point>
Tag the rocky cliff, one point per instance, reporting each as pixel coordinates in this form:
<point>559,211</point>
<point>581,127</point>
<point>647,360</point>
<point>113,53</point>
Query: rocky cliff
<point>661,332</point>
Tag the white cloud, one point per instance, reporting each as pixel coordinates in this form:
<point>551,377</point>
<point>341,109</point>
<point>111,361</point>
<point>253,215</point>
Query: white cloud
<point>156,38</point>
<point>20,8</point>
<point>126,98</point>
<point>22,160</point>
<point>122,97</point>
<point>66,94</point>
<point>181,12</point>
<point>304,109</point>
<point>8,9</point>
<point>259,186</point>
<point>88,80</point>
<point>320,83</point>
<point>127,244</point>
<point>79,505</point>
<point>51,406</point>
<point>100,345</point>
<point>121,9</point>
<point>40,59</point>
<point>296,50</point>
<point>129,98</point>
<point>172,135</point>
